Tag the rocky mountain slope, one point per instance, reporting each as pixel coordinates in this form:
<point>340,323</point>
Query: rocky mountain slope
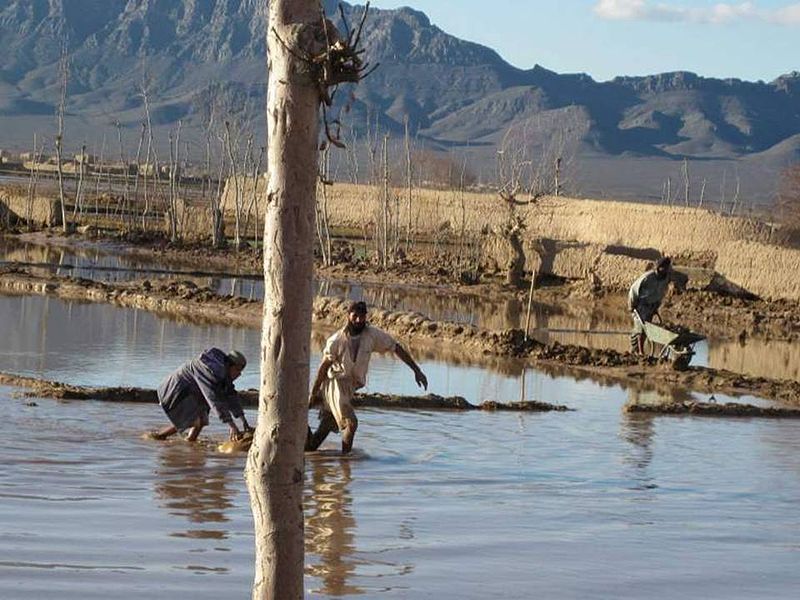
<point>195,55</point>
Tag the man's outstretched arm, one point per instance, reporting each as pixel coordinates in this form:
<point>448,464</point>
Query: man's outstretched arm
<point>419,376</point>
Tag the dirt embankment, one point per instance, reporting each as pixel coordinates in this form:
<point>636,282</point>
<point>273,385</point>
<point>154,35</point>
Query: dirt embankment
<point>186,300</point>
<point>717,315</point>
<point>712,409</point>
<point>728,317</point>
<point>42,388</point>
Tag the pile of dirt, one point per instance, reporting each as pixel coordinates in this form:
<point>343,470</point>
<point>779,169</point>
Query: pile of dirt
<point>597,357</point>
<point>711,409</point>
<point>730,317</point>
<point>41,388</point>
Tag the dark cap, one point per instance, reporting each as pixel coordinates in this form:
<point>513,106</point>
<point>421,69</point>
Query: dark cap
<point>359,307</point>
<point>237,359</point>
<point>665,262</point>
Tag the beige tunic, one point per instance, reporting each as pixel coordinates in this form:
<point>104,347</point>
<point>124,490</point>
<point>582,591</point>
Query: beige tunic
<point>349,356</point>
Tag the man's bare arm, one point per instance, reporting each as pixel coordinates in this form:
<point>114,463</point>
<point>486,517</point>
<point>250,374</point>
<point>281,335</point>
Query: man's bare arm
<point>419,376</point>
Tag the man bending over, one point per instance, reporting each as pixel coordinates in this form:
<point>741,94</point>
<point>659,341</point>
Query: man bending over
<point>206,382</point>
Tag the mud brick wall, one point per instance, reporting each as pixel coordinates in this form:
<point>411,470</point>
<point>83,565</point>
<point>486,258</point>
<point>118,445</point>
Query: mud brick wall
<point>767,271</point>
<point>17,203</point>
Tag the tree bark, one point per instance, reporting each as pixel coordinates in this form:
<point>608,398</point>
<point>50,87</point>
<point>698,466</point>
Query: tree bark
<point>274,469</point>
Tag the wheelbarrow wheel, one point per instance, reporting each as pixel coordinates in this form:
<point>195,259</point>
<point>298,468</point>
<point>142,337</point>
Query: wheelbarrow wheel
<point>681,359</point>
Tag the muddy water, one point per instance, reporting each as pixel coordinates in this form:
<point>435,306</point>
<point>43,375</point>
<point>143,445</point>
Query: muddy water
<point>602,327</point>
<point>590,504</point>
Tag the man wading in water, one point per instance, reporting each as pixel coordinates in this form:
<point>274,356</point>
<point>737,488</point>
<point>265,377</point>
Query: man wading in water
<point>195,388</point>
<point>343,370</point>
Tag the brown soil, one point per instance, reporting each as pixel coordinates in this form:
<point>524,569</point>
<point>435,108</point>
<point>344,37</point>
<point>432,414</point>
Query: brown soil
<point>41,388</point>
<point>710,409</point>
<point>185,300</point>
<point>715,315</point>
<point>729,317</point>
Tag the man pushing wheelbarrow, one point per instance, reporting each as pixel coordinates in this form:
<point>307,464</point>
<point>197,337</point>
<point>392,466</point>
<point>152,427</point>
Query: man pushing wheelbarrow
<point>644,300</point>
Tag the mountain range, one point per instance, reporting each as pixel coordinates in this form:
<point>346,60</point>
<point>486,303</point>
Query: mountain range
<point>625,137</point>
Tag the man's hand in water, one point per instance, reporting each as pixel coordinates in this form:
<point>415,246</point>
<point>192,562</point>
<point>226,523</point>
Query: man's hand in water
<point>235,434</point>
<point>420,378</point>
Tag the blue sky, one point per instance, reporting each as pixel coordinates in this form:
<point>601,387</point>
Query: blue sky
<point>759,39</point>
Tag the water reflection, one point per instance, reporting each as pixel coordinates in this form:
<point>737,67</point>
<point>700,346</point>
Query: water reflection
<point>330,526</point>
<point>638,430</point>
<point>599,325</point>
<point>187,484</point>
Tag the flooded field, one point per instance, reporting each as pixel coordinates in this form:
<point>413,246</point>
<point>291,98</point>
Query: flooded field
<point>589,504</point>
<point>606,327</point>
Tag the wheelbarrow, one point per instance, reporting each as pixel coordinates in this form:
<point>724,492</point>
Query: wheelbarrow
<point>677,347</point>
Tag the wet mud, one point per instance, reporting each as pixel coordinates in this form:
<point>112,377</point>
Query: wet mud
<point>41,388</point>
<point>717,315</point>
<point>712,409</point>
<point>195,304</point>
<point>730,317</point>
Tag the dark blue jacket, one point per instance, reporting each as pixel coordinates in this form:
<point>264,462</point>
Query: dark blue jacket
<point>204,377</point>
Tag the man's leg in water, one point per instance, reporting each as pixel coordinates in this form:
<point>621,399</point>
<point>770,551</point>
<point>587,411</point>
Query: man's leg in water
<point>195,430</point>
<point>349,431</point>
<point>162,434</point>
<point>327,424</point>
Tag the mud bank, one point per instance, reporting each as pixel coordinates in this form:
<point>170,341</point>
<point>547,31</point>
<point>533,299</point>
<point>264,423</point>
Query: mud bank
<point>41,388</point>
<point>729,317</point>
<point>711,409</point>
<point>718,315</point>
<point>185,300</point>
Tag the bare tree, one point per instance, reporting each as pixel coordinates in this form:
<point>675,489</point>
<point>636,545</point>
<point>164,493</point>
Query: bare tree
<point>686,182</point>
<point>81,163</point>
<point>306,57</point>
<point>251,211</point>
<point>36,158</point>
<point>138,167</point>
<point>409,187</point>
<point>702,193</point>
<point>323,217</point>
<point>64,77</point>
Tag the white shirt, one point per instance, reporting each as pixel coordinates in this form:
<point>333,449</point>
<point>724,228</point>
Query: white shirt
<point>339,350</point>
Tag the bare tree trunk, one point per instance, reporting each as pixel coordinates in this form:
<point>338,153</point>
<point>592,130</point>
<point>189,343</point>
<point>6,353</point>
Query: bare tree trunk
<point>323,224</point>
<point>409,175</point>
<point>352,157</point>
<point>385,203</point>
<point>216,205</point>
<point>60,136</point>
<point>702,194</point>
<point>669,190</point>
<point>135,201</point>
<point>78,208</point>
<point>686,182</point>
<point>34,179</point>
<point>237,208</point>
<point>97,182</point>
<point>736,191</point>
<point>251,201</point>
<point>151,159</point>
<point>126,199</point>
<point>274,468</point>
